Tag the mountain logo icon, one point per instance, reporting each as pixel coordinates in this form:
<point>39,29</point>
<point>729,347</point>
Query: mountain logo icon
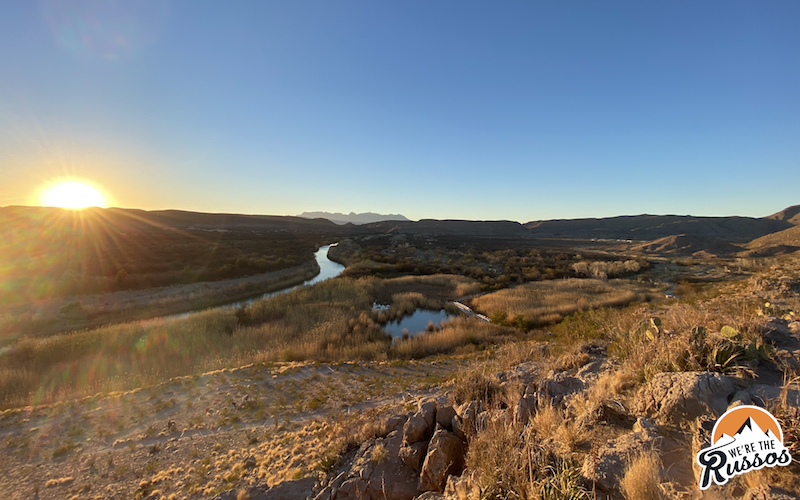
<point>744,438</point>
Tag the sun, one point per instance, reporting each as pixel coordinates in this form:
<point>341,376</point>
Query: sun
<point>72,194</point>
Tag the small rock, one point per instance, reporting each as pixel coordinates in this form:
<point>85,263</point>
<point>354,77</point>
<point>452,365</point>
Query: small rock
<point>643,425</point>
<point>250,462</point>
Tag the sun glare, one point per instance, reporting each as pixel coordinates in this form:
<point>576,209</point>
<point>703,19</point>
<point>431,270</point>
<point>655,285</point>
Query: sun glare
<point>72,194</point>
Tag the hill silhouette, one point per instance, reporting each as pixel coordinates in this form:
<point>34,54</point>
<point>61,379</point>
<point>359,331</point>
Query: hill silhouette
<point>452,227</point>
<point>651,227</point>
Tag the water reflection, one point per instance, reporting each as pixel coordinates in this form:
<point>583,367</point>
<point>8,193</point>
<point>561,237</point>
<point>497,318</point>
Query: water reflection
<point>327,269</point>
<point>416,322</point>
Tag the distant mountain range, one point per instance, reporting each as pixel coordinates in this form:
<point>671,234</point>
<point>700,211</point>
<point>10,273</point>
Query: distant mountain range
<point>662,234</point>
<point>353,218</point>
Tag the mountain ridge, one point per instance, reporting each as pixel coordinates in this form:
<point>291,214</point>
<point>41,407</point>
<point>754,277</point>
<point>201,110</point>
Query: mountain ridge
<point>354,218</point>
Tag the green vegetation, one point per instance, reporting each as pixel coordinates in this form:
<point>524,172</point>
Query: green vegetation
<point>495,263</point>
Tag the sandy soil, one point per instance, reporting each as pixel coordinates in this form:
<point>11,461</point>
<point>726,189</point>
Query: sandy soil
<point>193,437</point>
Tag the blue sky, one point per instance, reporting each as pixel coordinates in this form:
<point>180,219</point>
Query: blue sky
<point>474,110</point>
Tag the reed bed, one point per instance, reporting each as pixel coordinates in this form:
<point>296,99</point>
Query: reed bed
<point>547,302</point>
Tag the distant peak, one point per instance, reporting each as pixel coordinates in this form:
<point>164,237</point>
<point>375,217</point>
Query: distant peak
<point>354,218</point>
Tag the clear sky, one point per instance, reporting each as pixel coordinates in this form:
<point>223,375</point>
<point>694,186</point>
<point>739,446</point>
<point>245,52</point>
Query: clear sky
<point>513,109</point>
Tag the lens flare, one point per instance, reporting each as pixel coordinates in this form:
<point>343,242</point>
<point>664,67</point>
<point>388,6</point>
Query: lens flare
<point>72,194</point>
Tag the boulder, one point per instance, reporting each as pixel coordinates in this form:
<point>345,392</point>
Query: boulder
<point>445,457</point>
<point>413,454</point>
<point>395,422</point>
<point>763,393</point>
<point>444,416</point>
<point>522,412</point>
<point>415,429</point>
<point>354,488</point>
<point>428,411</point>
<point>593,369</point>
<point>419,426</point>
<point>675,398</point>
<point>378,476</point>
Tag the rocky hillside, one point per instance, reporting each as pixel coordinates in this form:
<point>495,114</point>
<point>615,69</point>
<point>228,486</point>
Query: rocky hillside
<point>790,214</point>
<point>785,241</point>
<point>688,245</point>
<point>650,227</point>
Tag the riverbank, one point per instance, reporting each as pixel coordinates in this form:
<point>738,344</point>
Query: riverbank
<point>89,311</point>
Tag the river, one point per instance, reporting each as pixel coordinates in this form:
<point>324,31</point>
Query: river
<point>327,269</point>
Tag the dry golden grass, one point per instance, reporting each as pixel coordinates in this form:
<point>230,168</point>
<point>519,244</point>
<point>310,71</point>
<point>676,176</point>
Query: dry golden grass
<point>511,461</point>
<point>546,302</point>
<point>687,338</point>
<point>455,332</point>
<point>547,420</point>
<point>642,478</point>
<point>330,321</point>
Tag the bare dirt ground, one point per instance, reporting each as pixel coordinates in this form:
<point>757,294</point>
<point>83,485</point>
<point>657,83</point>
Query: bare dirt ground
<point>194,437</point>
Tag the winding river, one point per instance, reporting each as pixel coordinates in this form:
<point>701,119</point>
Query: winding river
<point>327,269</point>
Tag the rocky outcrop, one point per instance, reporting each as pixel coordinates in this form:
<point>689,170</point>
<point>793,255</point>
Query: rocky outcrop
<point>672,398</point>
<point>416,456</point>
<point>419,426</point>
<point>376,472</point>
<point>445,457</point>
